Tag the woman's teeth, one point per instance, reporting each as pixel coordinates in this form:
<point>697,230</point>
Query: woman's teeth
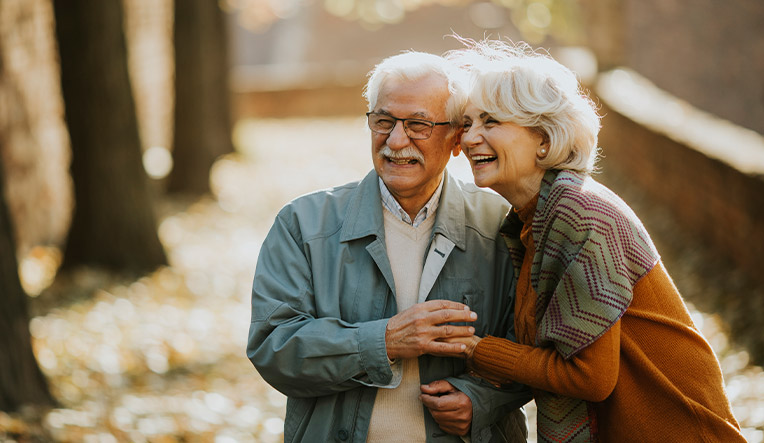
<point>480,159</point>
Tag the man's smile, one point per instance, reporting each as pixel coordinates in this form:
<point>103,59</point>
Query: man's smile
<point>402,161</point>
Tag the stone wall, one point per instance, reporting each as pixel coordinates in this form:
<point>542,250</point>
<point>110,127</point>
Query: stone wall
<point>706,218</point>
<point>708,52</point>
<point>697,182</point>
<point>707,171</point>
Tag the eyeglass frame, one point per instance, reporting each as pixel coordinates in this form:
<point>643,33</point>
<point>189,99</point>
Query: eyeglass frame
<point>432,124</point>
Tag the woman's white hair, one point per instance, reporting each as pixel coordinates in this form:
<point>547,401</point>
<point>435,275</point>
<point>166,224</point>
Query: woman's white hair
<point>413,65</point>
<point>513,83</point>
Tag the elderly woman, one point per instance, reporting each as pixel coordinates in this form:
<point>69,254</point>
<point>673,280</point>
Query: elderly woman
<point>604,338</point>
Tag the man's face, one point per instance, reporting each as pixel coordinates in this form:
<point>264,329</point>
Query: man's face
<point>409,175</point>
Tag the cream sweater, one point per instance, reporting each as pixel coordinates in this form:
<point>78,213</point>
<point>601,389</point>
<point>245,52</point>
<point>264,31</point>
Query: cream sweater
<point>398,413</point>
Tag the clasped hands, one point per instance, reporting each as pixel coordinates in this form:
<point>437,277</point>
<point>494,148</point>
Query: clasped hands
<point>426,328</point>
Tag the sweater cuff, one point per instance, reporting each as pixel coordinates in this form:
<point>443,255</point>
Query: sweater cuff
<point>496,358</point>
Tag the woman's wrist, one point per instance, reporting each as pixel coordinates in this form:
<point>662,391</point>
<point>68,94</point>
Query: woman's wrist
<point>470,350</point>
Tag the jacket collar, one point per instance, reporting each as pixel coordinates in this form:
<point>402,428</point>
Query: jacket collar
<point>450,219</point>
<point>364,214</point>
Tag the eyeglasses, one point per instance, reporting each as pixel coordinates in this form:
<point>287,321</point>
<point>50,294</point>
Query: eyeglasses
<point>415,128</point>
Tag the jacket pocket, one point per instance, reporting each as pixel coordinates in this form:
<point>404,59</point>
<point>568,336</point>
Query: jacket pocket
<point>465,291</point>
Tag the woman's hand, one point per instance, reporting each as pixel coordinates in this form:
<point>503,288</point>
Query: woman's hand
<point>469,342</point>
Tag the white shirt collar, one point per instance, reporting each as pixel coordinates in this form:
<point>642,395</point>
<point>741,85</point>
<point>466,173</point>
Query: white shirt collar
<point>392,205</point>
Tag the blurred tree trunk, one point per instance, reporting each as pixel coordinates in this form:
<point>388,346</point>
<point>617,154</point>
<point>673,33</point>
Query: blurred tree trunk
<point>202,103</point>
<point>114,224</point>
<point>21,381</point>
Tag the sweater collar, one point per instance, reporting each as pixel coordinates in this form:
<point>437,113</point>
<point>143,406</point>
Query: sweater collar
<point>526,212</point>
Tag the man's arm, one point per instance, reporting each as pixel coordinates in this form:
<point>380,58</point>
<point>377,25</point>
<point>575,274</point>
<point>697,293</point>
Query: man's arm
<point>303,355</point>
<point>296,352</point>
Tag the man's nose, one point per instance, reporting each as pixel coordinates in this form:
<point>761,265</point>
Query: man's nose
<point>398,139</point>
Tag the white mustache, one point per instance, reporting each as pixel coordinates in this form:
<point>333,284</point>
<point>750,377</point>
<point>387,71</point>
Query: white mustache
<point>407,152</point>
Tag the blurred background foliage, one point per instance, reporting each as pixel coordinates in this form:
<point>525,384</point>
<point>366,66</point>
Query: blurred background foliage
<point>145,146</point>
<point>535,19</point>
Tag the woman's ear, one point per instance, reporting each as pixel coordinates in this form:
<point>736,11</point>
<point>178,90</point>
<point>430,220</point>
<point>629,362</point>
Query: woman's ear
<point>543,150</point>
<point>544,145</point>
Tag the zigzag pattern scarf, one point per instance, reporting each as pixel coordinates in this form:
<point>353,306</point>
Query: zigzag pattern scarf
<point>591,249</point>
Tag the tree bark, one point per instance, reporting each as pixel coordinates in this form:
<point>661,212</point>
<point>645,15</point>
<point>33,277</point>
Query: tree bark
<point>202,129</point>
<point>114,224</point>
<point>21,381</point>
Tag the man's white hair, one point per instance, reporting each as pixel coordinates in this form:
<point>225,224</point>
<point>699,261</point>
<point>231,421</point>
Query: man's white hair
<point>413,65</point>
<point>513,83</point>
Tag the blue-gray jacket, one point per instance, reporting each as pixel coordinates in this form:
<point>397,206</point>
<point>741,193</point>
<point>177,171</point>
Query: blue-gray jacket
<point>323,293</point>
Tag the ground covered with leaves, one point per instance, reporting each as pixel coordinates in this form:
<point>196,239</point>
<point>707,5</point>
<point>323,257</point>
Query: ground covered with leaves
<point>161,357</point>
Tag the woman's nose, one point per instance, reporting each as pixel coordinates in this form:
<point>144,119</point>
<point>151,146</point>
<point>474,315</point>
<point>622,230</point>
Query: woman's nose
<point>470,138</point>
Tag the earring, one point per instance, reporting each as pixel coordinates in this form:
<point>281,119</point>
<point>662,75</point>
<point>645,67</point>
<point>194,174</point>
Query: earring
<point>543,151</point>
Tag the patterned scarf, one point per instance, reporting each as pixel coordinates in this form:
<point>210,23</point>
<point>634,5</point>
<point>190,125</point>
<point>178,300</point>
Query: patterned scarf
<point>591,249</point>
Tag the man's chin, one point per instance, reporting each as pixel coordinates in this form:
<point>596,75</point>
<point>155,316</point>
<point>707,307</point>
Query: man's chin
<point>400,169</point>
<point>399,181</point>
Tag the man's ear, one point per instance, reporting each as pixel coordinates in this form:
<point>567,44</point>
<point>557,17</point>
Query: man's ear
<point>456,149</point>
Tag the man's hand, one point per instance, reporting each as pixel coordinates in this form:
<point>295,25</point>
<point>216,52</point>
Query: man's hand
<point>451,408</point>
<point>416,330</point>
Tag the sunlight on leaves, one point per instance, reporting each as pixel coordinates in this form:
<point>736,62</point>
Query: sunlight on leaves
<point>38,268</point>
<point>535,19</point>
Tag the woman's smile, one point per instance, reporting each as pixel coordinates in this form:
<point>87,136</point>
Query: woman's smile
<point>482,159</point>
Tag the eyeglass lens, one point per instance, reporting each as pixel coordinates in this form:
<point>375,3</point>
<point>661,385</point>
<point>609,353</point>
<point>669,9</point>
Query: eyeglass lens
<point>384,124</point>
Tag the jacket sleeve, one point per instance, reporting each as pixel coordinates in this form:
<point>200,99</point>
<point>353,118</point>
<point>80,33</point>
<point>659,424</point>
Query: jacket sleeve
<point>295,351</point>
<point>489,403</point>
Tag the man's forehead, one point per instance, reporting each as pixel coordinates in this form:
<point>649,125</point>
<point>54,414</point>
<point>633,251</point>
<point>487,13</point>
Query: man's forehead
<point>425,97</point>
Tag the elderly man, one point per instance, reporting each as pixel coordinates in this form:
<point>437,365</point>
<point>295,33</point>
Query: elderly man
<point>355,285</point>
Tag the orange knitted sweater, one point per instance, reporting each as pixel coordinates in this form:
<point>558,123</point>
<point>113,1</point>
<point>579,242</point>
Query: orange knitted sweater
<point>651,377</point>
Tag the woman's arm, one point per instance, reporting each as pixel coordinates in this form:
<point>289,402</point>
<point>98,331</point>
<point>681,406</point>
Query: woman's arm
<point>591,374</point>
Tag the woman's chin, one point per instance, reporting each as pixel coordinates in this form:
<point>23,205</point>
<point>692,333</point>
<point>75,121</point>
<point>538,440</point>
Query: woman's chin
<point>481,181</point>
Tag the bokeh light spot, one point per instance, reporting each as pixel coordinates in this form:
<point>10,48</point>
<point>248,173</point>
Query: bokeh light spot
<point>340,8</point>
<point>539,15</point>
<point>389,11</point>
<point>157,161</point>
<point>487,15</point>
<point>274,425</point>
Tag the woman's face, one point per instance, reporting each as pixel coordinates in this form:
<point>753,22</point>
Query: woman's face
<point>502,154</point>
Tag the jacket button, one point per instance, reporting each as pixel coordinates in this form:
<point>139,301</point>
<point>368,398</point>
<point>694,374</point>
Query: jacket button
<point>342,434</point>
